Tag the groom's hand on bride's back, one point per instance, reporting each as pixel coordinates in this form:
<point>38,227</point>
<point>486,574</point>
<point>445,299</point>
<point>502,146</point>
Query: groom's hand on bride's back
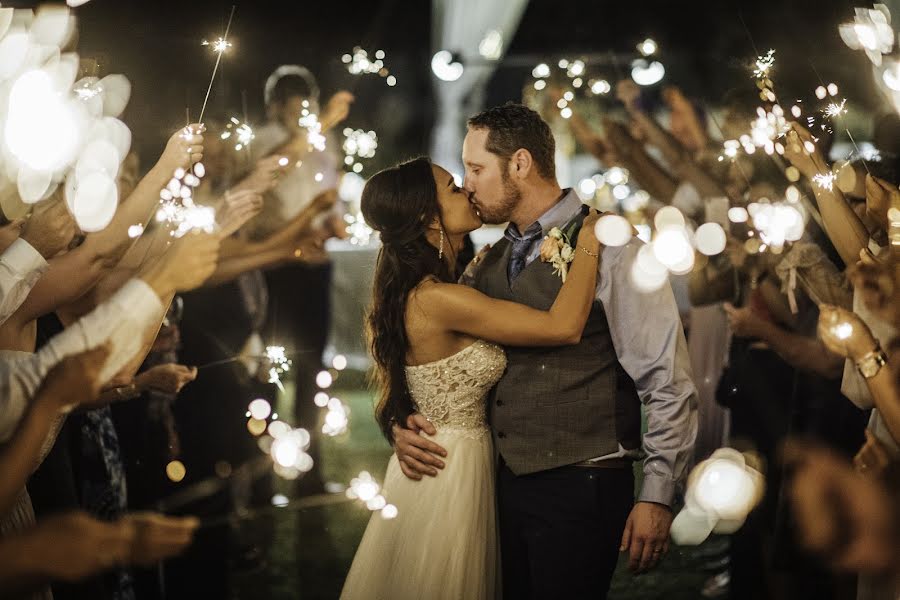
<point>417,455</point>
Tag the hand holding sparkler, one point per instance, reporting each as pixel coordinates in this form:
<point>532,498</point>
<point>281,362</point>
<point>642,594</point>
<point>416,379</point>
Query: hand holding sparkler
<point>873,458</point>
<point>167,378</point>
<point>844,333</point>
<point>744,322</point>
<point>50,227</point>
<point>184,148</point>
<point>337,109</point>
<point>155,537</point>
<point>840,514</point>
<point>802,152</point>
<point>188,262</point>
<point>237,209</point>
<point>264,175</point>
<point>880,197</point>
<point>628,93</point>
<point>878,283</point>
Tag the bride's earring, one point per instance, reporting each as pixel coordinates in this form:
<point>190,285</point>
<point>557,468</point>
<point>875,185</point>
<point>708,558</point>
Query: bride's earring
<point>441,247</point>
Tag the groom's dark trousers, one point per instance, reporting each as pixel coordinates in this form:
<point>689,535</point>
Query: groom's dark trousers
<point>560,530</point>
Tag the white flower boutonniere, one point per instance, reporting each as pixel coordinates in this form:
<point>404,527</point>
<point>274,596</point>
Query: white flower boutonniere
<point>557,250</point>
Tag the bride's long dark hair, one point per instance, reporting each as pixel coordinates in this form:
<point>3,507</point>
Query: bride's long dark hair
<point>400,203</point>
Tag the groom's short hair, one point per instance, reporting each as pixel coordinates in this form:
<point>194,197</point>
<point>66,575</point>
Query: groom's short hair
<point>513,126</point>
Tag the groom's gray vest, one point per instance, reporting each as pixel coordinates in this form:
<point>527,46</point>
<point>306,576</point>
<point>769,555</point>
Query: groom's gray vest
<point>561,405</point>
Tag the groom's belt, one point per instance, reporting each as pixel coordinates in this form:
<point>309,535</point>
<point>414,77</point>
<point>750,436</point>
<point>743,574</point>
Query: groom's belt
<point>609,463</point>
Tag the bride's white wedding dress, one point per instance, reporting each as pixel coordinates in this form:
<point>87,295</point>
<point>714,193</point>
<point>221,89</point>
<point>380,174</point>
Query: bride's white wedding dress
<point>443,542</point>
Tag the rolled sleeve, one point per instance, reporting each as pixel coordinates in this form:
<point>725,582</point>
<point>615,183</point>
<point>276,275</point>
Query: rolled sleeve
<point>21,266</point>
<point>649,340</point>
<point>122,320</point>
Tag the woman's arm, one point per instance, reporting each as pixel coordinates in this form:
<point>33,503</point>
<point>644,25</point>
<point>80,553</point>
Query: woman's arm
<point>73,381</point>
<point>465,310</point>
<point>843,226</point>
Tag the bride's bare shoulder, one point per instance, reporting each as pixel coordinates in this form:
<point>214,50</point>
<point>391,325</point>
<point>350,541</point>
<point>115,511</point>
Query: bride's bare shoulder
<point>433,294</point>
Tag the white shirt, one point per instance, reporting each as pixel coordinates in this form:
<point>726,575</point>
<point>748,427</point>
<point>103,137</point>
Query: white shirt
<point>21,266</point>
<point>122,319</point>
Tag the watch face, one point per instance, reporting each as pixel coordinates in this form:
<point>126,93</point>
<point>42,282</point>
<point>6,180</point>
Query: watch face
<point>870,365</point>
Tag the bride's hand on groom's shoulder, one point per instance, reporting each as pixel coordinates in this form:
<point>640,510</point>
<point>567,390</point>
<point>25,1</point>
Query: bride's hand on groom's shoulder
<point>468,275</point>
<point>417,455</point>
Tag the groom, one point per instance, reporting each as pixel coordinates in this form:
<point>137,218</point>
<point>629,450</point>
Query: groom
<point>566,421</point>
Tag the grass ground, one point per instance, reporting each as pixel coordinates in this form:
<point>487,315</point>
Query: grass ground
<point>311,550</point>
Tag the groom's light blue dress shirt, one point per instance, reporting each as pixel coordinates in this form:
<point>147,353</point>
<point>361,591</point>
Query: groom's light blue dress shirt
<point>649,340</point>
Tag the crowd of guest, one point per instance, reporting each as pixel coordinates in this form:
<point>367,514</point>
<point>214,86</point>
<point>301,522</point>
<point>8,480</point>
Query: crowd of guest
<point>794,349</point>
<point>101,333</point>
<point>118,388</point>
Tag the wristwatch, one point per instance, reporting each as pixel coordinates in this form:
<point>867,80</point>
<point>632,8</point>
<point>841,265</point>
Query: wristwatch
<point>871,363</point>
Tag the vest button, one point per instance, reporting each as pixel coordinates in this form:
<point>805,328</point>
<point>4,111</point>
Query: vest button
<point>501,435</point>
<point>499,402</point>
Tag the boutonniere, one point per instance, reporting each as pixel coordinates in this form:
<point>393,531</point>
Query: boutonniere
<point>557,250</point>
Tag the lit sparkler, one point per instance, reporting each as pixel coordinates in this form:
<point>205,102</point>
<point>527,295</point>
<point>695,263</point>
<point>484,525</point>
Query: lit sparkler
<point>359,63</point>
<point>240,131</point>
<point>764,65</point>
<point>337,418</point>
<point>358,144</point>
<point>365,489</point>
<point>220,45</point>
<point>310,121</point>
<point>870,31</point>
<point>279,364</point>
<point>177,207</point>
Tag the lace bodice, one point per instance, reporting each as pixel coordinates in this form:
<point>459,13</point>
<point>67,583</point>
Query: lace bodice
<point>451,392</point>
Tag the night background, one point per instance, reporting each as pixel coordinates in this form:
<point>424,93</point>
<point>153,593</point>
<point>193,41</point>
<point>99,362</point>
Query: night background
<point>705,46</point>
<point>708,48</point>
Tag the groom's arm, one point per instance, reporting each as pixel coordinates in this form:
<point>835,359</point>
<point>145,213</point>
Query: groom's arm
<point>649,340</point>
<point>647,333</point>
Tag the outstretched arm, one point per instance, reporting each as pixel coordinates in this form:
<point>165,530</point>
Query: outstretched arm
<point>465,310</point>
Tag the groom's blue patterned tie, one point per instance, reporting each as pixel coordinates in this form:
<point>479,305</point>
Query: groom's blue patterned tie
<point>520,248</point>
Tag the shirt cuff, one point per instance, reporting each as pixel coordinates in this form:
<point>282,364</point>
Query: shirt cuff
<point>23,258</point>
<point>139,299</point>
<point>657,488</point>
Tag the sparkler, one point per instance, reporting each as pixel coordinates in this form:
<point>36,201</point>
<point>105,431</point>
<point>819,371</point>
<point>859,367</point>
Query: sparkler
<point>825,180</point>
<point>870,31</point>
<point>219,46</point>
<point>310,121</point>
<point>279,364</point>
<point>337,418</point>
<point>365,489</point>
<point>359,63</point>
<point>764,65</point>
<point>722,491</point>
<point>177,208</point>
<point>240,131</point>
<point>358,144</point>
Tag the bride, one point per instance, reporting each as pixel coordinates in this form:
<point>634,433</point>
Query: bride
<point>435,345</point>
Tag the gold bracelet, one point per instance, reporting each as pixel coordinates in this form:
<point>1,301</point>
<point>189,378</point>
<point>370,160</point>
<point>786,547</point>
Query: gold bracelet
<point>588,252</point>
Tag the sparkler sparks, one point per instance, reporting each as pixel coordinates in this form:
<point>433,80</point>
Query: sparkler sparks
<point>219,46</point>
<point>824,180</point>
<point>177,206</point>
<point>835,110</point>
<point>279,364</point>
<point>870,31</point>
<point>764,64</point>
<point>365,489</point>
<point>242,133</point>
<point>359,63</point>
<point>310,121</point>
